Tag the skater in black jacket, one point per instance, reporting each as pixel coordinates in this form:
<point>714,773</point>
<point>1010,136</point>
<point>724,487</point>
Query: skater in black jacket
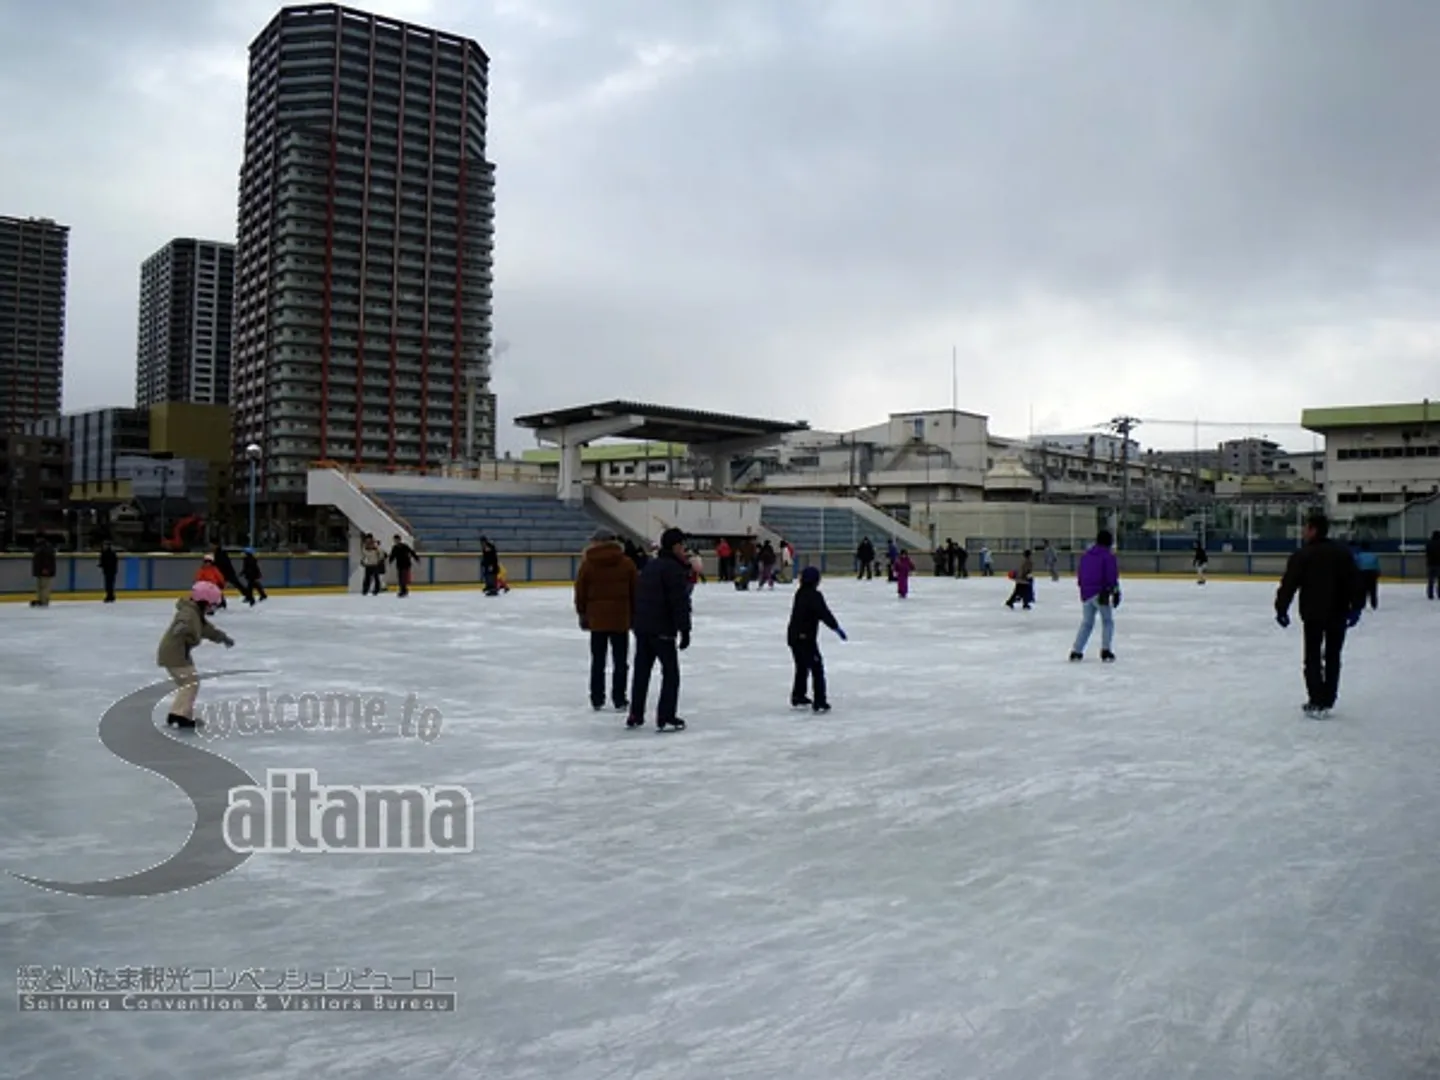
<point>803,637</point>
<point>109,567</point>
<point>662,631</point>
<point>1331,598</point>
<point>404,557</point>
<point>1432,565</point>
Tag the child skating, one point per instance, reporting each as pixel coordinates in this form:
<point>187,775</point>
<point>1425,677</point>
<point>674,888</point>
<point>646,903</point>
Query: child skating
<point>187,629</point>
<point>806,614</point>
<point>1024,582</point>
<point>904,567</point>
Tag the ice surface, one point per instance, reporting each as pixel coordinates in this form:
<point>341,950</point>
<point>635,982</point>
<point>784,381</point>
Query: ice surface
<point>986,862</point>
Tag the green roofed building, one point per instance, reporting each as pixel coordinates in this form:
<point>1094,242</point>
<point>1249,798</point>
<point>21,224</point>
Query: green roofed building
<point>623,463</point>
<point>1378,458</point>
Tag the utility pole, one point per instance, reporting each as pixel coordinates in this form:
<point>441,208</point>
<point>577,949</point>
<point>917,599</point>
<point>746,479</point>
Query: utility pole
<point>1123,426</point>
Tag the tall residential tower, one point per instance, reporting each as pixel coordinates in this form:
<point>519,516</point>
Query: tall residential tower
<point>183,347</point>
<point>365,237</point>
<point>33,258</point>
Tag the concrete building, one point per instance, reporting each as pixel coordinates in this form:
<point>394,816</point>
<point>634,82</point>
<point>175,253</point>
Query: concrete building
<point>184,341</point>
<point>1110,447</point>
<point>96,438</point>
<point>1249,457</point>
<point>1378,458</point>
<point>364,258</point>
<point>34,491</point>
<point>34,254</point>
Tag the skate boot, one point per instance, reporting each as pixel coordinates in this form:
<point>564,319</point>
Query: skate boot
<point>183,722</point>
<point>1107,656</point>
<point>799,702</point>
<point>675,723</point>
<point>633,721</point>
<point>821,706</point>
<point>1076,657</point>
<point>621,704</point>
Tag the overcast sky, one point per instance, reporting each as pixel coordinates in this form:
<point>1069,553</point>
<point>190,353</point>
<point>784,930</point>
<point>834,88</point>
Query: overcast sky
<point>795,208</point>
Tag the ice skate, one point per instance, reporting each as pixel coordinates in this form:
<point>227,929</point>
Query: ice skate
<point>821,707</point>
<point>633,721</point>
<point>1076,657</point>
<point>675,723</point>
<point>799,702</point>
<point>622,704</point>
<point>1107,656</point>
<point>182,722</point>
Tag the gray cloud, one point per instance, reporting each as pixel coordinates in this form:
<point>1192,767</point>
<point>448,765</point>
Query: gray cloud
<point>1225,210</point>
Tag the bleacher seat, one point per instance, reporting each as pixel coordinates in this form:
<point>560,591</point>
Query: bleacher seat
<point>446,521</point>
<point>814,528</point>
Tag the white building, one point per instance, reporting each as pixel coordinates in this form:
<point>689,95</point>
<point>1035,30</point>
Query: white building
<point>1378,458</point>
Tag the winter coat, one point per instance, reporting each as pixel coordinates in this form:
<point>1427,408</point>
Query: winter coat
<point>489,559</point>
<point>722,550</point>
<point>1328,581</point>
<point>187,629</point>
<point>662,597</point>
<point>210,572</point>
<point>250,568</point>
<point>605,589</point>
<point>42,563</point>
<point>372,556</point>
<point>1201,558</point>
<point>806,614</point>
<point>1098,573</point>
<point>767,556</point>
<point>1026,573</point>
<point>226,567</point>
<point>865,553</point>
<point>109,561</point>
<point>1432,552</point>
<point>402,555</point>
<point>904,566</point>
<point>1368,562</point>
<point>1052,558</point>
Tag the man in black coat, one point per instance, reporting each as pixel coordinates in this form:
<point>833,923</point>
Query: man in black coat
<point>1331,598</point>
<point>865,557</point>
<point>662,631</point>
<point>109,567</point>
<point>1432,565</point>
<point>403,556</point>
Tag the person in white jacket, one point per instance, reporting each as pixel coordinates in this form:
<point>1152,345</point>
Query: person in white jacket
<point>787,561</point>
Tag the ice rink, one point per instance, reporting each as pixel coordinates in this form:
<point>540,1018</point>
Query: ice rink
<point>986,862</point>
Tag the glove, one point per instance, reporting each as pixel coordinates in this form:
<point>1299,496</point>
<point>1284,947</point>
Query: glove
<point>840,630</point>
<point>1283,619</point>
<point>584,623</point>
<point>684,640</point>
<point>1115,599</point>
<point>229,642</point>
<point>1353,620</point>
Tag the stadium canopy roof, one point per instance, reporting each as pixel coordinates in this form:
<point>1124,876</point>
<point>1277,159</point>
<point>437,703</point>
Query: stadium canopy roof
<point>1363,416</point>
<point>664,423</point>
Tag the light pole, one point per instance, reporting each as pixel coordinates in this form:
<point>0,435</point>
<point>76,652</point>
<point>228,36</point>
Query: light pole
<point>252,453</point>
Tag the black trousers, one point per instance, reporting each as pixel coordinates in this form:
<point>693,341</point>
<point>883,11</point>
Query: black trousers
<point>809,668</point>
<point>1324,641</point>
<point>604,645</point>
<point>867,570</point>
<point>109,585</point>
<point>1372,588</point>
<point>372,580</point>
<point>648,649</point>
<point>1024,593</point>
<point>257,590</point>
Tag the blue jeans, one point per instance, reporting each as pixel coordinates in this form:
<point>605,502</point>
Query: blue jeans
<point>1087,625</point>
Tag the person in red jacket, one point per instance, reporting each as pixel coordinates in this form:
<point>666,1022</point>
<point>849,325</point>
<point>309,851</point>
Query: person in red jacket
<point>725,556</point>
<point>210,572</point>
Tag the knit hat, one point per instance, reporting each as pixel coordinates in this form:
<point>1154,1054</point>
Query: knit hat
<point>810,575</point>
<point>670,537</point>
<point>602,536</point>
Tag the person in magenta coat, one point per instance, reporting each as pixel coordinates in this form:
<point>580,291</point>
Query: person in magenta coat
<point>904,567</point>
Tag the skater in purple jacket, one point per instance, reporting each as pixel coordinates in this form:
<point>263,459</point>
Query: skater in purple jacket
<point>1099,577</point>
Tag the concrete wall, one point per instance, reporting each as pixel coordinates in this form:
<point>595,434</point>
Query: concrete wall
<point>451,485</point>
<point>1379,475</point>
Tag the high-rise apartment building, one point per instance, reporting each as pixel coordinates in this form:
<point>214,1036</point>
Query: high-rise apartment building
<point>183,347</point>
<point>33,257</point>
<point>365,237</point>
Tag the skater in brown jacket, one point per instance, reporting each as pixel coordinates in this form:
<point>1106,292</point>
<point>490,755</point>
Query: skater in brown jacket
<point>187,629</point>
<point>605,603</point>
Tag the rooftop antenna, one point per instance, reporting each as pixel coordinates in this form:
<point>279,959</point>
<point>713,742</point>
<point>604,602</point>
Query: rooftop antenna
<point>954,378</point>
